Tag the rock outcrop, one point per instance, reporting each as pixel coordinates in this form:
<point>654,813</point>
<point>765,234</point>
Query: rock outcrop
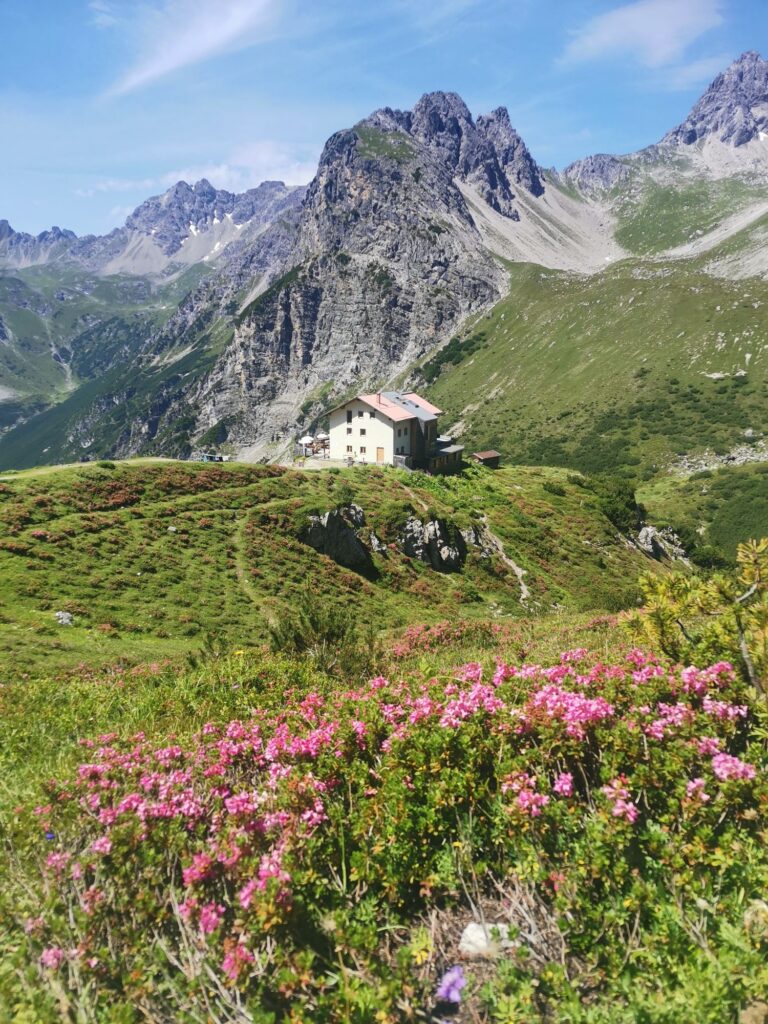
<point>432,543</point>
<point>663,544</point>
<point>335,534</point>
<point>596,173</point>
<point>734,109</point>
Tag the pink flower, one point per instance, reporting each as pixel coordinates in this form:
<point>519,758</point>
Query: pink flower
<point>246,893</point>
<point>709,745</point>
<point>187,908</point>
<point>102,845</point>
<point>532,803</point>
<point>56,862</point>
<point>695,790</point>
<point>235,960</point>
<point>623,807</point>
<point>211,916</point>
<point>726,767</point>
<point>52,957</point>
<point>577,654</point>
<point>198,869</point>
<point>564,784</point>
<point>723,710</point>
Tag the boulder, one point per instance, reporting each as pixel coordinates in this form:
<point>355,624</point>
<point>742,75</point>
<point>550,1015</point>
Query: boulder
<point>663,545</point>
<point>335,534</point>
<point>65,618</point>
<point>430,543</point>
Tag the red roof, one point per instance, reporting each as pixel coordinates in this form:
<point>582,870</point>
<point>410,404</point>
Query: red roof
<point>487,455</point>
<point>392,409</point>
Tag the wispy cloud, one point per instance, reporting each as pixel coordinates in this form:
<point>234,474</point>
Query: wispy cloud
<point>698,72</point>
<point>246,167</point>
<point>656,33</point>
<point>175,34</point>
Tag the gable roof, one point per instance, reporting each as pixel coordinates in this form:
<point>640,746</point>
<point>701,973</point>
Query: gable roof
<point>398,406</point>
<point>415,405</point>
<point>383,402</point>
<point>412,396</point>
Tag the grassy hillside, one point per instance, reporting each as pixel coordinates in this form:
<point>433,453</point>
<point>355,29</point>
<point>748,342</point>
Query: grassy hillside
<point>619,372</point>
<point>722,507</point>
<point>63,327</point>
<point>653,217</point>
<point>156,559</point>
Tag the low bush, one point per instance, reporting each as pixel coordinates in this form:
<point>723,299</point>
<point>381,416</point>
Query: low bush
<point>317,859</point>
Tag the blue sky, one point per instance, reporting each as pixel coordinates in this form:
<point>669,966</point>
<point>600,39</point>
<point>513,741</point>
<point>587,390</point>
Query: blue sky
<point>104,102</point>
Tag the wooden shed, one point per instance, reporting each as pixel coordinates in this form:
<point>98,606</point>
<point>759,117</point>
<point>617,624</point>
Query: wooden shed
<point>490,459</point>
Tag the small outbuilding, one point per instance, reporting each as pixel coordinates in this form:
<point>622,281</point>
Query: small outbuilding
<point>491,459</point>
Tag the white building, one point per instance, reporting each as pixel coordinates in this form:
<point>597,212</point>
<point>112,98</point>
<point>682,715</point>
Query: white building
<point>392,428</point>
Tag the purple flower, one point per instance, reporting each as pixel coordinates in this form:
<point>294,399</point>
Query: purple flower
<point>50,835</point>
<point>451,984</point>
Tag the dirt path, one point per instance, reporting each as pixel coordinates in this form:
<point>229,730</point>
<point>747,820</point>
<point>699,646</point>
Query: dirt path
<point>241,565</point>
<point>498,547</point>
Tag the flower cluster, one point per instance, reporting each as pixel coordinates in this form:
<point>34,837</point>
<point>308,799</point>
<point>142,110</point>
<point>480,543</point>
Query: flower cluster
<point>251,823</point>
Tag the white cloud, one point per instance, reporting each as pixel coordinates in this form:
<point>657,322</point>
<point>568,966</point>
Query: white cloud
<point>246,168</point>
<point>654,32</point>
<point>698,72</point>
<point>173,34</point>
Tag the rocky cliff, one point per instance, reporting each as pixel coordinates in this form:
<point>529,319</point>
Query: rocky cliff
<point>734,109</point>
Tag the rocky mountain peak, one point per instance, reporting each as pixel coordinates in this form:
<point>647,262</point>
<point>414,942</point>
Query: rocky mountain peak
<point>734,109</point>
<point>186,209</point>
<point>513,154</point>
<point>488,155</point>
<point>596,173</point>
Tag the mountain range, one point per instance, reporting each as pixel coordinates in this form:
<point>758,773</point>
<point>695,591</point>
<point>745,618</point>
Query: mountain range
<point>429,247</point>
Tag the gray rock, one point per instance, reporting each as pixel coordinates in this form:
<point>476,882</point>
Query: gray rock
<point>596,173</point>
<point>429,543</point>
<point>334,534</point>
<point>377,545</point>
<point>65,618</point>
<point>734,109</point>
<point>661,544</point>
<point>485,940</point>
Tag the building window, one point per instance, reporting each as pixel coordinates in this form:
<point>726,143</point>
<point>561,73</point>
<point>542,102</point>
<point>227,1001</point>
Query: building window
<point>372,414</point>
<point>349,430</point>
<point>405,431</point>
<point>362,431</point>
<point>362,450</point>
<point>399,432</point>
<point>349,449</point>
<point>349,415</point>
<point>360,412</point>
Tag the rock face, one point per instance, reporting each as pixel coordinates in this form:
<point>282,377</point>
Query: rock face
<point>663,545</point>
<point>335,534</point>
<point>596,173</point>
<point>734,109</point>
<point>186,210</point>
<point>429,542</point>
<point>19,249</point>
<point>512,153</point>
